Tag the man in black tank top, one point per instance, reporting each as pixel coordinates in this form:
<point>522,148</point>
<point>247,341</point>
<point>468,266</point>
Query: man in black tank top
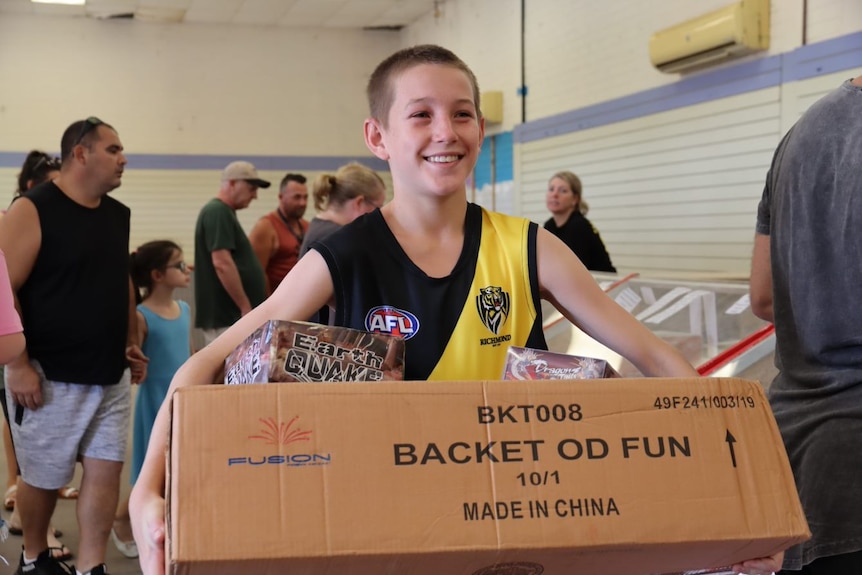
<point>67,246</point>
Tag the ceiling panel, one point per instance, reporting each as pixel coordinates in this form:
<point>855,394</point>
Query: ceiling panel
<point>262,12</point>
<point>287,13</point>
<point>213,11</point>
<point>16,6</point>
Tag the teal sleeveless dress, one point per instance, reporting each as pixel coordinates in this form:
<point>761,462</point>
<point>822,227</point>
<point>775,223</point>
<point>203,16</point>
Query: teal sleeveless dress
<point>168,347</point>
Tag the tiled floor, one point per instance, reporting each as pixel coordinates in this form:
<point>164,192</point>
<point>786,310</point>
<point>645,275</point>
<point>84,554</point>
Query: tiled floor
<point>64,519</point>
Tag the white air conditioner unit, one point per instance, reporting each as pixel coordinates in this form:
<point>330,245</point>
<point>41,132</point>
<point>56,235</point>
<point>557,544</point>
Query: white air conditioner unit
<point>730,32</point>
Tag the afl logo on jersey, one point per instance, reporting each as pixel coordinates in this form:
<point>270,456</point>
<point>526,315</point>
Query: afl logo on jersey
<point>492,303</point>
<point>391,321</point>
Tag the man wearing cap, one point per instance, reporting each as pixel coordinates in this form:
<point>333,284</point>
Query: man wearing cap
<point>229,279</point>
<point>277,236</point>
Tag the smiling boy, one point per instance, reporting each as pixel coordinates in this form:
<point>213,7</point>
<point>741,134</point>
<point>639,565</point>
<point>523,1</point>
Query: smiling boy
<point>465,283</point>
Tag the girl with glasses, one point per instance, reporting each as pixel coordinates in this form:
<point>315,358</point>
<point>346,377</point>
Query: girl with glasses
<point>164,330</point>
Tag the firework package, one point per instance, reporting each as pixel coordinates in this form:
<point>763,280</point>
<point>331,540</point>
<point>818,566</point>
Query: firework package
<point>525,363</point>
<point>297,351</point>
<point>611,477</point>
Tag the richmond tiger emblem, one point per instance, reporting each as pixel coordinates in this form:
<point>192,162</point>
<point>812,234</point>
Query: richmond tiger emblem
<point>493,306</point>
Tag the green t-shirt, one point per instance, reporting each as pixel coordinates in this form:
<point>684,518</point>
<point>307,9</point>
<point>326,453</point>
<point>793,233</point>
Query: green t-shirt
<point>218,228</point>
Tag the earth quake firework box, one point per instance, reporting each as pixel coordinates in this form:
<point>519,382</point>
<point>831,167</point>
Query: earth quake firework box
<point>300,351</point>
<point>609,477</point>
<point>526,363</point>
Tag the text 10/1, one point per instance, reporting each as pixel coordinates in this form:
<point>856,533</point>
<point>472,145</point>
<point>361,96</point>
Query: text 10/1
<point>537,478</point>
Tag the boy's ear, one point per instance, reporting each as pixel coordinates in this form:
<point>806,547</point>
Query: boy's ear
<point>374,139</point>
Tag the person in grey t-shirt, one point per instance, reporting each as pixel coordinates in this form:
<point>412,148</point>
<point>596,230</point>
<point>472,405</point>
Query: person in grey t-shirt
<point>806,277</point>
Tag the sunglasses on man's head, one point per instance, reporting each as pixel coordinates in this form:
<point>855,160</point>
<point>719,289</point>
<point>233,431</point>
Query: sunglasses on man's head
<point>88,126</point>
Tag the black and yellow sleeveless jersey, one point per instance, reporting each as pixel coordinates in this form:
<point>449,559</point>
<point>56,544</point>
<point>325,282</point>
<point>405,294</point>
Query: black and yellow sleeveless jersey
<point>456,327</point>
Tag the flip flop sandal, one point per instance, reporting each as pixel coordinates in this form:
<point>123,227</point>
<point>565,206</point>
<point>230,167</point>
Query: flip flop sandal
<point>9,497</point>
<point>68,492</point>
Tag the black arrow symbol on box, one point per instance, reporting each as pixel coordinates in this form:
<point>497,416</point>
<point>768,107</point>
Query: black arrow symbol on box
<point>730,439</point>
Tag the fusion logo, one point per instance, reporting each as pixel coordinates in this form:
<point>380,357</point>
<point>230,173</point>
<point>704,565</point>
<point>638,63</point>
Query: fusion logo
<point>390,320</point>
<point>280,433</point>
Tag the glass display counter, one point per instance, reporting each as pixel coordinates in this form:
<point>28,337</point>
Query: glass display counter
<point>710,323</point>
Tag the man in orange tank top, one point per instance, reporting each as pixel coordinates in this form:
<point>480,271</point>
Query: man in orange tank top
<point>277,236</point>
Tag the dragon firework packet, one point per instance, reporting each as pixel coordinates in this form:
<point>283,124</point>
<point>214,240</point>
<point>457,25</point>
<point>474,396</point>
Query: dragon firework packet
<point>526,363</point>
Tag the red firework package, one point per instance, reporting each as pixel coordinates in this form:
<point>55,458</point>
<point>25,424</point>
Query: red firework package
<point>527,363</point>
<point>298,351</point>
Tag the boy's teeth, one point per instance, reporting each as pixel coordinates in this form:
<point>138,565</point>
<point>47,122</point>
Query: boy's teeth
<point>442,159</point>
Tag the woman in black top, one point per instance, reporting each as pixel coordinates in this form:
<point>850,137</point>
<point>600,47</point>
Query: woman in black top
<point>570,224</point>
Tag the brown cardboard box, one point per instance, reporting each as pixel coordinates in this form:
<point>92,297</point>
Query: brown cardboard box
<point>526,363</point>
<point>610,477</point>
<point>300,351</point>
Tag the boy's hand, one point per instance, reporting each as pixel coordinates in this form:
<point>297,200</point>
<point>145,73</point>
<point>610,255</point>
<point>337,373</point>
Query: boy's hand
<point>148,525</point>
<point>137,363</point>
<point>761,566</point>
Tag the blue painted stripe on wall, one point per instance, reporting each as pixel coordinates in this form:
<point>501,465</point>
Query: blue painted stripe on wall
<point>824,57</point>
<point>503,161</point>
<point>843,53</point>
<point>808,61</point>
<point>505,153</point>
<point>483,164</point>
<point>204,162</point>
<point>11,159</point>
<point>722,83</point>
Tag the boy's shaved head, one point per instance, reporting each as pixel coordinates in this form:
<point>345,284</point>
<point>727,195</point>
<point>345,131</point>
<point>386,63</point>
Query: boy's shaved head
<point>380,92</point>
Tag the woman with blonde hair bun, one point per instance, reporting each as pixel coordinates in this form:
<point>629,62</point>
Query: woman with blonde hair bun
<point>340,198</point>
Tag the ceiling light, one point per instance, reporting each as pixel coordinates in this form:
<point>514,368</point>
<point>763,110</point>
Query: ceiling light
<point>70,2</point>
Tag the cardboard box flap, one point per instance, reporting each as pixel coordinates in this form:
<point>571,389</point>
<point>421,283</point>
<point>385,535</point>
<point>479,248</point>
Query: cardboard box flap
<point>436,477</point>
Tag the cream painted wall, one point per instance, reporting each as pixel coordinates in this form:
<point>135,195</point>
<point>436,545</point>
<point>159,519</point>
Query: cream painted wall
<point>187,89</point>
<point>195,90</point>
<point>208,89</point>
<point>486,35</point>
<point>583,52</point>
<point>830,18</point>
<point>672,192</point>
<point>212,90</point>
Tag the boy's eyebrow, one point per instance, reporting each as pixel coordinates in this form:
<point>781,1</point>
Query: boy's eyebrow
<point>428,99</point>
